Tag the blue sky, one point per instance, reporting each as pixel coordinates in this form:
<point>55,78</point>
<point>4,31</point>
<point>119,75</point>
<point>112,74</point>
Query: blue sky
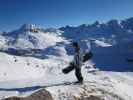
<point>57,13</point>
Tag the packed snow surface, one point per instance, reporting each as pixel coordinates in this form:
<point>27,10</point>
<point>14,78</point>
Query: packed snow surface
<point>30,72</point>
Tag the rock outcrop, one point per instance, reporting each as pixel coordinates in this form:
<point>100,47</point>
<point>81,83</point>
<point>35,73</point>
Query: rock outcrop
<point>39,95</point>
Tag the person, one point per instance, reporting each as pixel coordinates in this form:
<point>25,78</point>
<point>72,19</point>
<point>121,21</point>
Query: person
<point>76,64</point>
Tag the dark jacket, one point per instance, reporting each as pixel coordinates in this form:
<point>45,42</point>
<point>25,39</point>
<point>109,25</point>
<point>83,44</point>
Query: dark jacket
<point>78,60</point>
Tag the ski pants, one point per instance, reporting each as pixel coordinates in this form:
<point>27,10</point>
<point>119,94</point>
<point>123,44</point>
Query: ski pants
<point>77,72</point>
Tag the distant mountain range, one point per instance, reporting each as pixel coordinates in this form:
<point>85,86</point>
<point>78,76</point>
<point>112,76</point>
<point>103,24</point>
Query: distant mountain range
<point>31,37</point>
<point>111,27</point>
<point>112,32</point>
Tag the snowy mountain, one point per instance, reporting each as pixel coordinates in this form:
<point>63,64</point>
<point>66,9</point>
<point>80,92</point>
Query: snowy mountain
<point>32,40</point>
<point>30,36</point>
<point>32,58</point>
<point>112,32</point>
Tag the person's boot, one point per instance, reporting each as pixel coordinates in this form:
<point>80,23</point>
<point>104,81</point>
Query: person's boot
<point>78,82</point>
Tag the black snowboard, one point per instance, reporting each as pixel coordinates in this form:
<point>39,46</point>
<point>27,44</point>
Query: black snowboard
<point>87,56</point>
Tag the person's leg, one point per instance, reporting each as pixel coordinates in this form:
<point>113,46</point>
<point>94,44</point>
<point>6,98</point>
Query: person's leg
<point>78,74</point>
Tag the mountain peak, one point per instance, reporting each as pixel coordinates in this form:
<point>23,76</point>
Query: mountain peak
<point>96,23</point>
<point>30,27</point>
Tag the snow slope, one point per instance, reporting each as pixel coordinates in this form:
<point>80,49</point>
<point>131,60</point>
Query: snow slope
<point>30,72</point>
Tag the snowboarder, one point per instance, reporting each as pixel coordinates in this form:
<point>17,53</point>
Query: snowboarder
<point>76,64</point>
